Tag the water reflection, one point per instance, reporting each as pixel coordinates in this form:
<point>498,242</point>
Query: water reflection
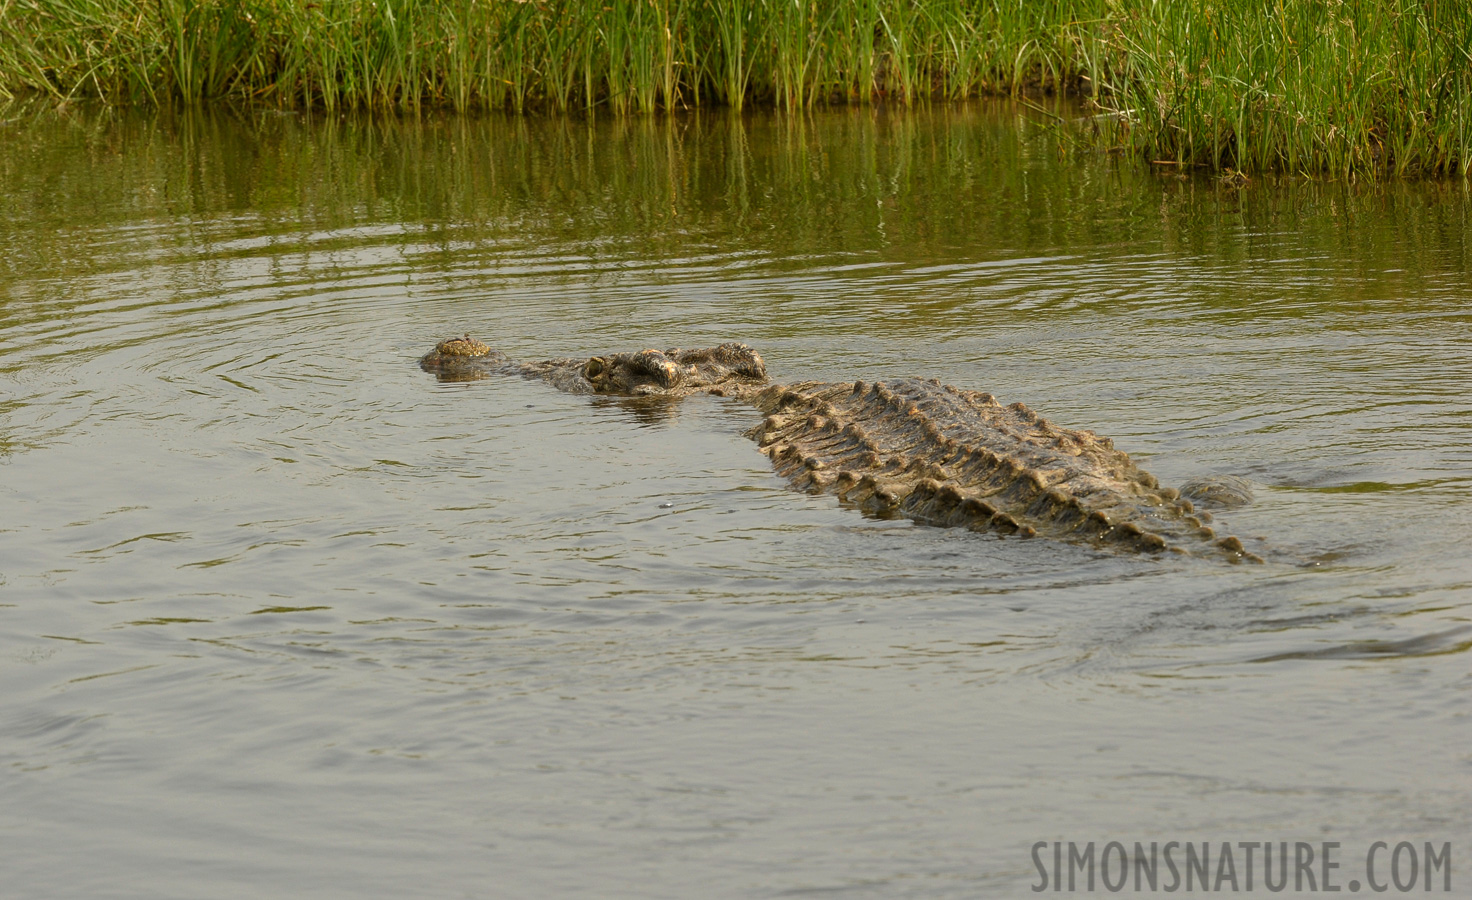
<point>702,192</point>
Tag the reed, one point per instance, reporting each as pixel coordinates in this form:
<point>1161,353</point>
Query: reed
<point>1342,86</point>
<point>1339,86</point>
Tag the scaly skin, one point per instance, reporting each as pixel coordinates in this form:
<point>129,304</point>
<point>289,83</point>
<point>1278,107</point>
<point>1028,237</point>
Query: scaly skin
<point>914,448</point>
<point>943,456</point>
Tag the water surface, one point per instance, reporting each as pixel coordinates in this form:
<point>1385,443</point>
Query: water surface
<point>281,615</point>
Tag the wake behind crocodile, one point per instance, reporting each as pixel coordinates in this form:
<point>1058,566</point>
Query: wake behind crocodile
<point>909,447</point>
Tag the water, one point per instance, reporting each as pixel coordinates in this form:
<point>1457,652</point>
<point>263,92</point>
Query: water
<point>280,615</point>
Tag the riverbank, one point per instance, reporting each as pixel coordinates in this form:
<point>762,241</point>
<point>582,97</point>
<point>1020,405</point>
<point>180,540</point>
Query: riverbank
<point>1342,88</point>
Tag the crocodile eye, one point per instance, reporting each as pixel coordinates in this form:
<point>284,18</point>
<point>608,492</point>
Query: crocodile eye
<point>593,369</point>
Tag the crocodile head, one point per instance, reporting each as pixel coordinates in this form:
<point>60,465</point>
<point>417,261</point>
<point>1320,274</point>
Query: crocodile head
<point>463,359</point>
<point>674,372</point>
<point>729,369</point>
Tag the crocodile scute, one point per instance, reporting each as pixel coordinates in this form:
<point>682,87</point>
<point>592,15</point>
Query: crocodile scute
<point>910,447</point>
<point>945,456</point>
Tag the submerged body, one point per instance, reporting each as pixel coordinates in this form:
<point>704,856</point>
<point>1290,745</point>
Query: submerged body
<point>910,447</point>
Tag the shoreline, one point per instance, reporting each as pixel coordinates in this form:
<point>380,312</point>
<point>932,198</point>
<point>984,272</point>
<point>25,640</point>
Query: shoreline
<point>1380,88</point>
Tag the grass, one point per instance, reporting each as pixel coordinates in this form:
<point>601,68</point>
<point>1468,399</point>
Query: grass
<point>1347,87</point>
<point>1339,86</point>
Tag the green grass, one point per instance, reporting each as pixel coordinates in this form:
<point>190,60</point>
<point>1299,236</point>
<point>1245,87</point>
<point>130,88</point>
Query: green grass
<point>1340,86</point>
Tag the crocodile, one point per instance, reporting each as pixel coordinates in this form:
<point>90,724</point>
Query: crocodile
<point>909,447</point>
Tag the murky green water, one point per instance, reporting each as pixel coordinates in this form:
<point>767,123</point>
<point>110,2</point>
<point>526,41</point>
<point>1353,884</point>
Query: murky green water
<point>282,616</point>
